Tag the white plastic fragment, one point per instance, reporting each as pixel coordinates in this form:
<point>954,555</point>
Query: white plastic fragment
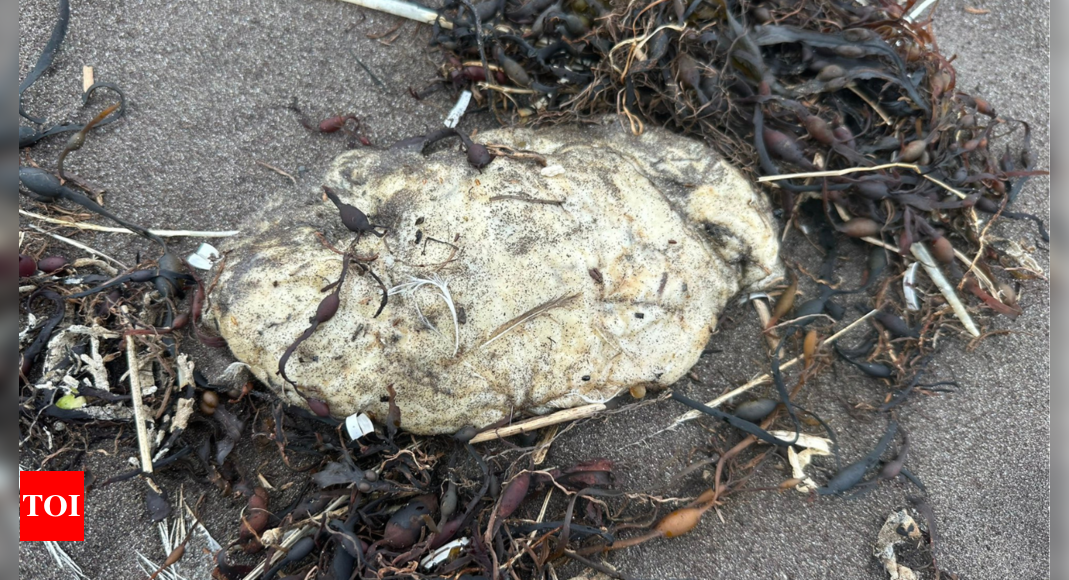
<point>442,554</point>
<point>458,110</point>
<point>359,425</point>
<point>208,251</point>
<point>199,262</point>
<point>552,171</point>
<point>918,11</point>
<point>909,281</point>
<point>204,256</point>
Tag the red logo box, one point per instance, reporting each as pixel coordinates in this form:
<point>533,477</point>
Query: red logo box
<point>51,506</point>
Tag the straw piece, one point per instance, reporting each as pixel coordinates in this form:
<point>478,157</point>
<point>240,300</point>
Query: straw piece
<point>160,233</point>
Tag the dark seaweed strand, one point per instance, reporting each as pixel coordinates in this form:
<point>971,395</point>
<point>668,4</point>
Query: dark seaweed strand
<point>59,31</point>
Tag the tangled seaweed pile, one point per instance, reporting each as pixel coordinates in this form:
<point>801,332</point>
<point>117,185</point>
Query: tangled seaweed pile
<point>859,98</point>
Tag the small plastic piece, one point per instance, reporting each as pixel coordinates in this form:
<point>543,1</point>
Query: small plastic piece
<point>359,425</point>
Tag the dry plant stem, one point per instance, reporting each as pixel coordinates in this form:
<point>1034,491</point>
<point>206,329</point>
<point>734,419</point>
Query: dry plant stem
<point>138,403</point>
<point>731,453</point>
<point>849,170</point>
<point>277,170</point>
<point>875,106</point>
<point>692,415</point>
<point>80,246</point>
<point>920,252</point>
<point>160,233</point>
<point>404,10</point>
<point>539,422</point>
<point>499,88</point>
<point>527,317</point>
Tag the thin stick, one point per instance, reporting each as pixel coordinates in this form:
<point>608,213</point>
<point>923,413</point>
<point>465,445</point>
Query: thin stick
<point>80,246</point>
<point>526,317</point>
<point>404,10</point>
<point>160,233</point>
<point>135,398</point>
<point>849,170</point>
<point>537,423</point>
<point>692,415</point>
<point>499,88</point>
<point>277,170</point>
<point>920,252</point>
<point>528,199</point>
<point>836,172</point>
<point>875,106</point>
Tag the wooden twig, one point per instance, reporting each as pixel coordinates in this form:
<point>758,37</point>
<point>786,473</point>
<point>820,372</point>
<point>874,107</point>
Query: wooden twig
<point>537,423</point>
<point>277,170</point>
<point>501,89</point>
<point>875,106</point>
<point>527,199</point>
<point>849,170</point>
<point>160,233</point>
<point>835,172</point>
<point>80,246</point>
<point>499,150</point>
